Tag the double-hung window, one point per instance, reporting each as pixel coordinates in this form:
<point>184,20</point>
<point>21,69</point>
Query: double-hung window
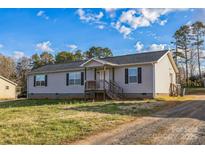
<point>40,80</point>
<point>132,75</point>
<point>74,78</point>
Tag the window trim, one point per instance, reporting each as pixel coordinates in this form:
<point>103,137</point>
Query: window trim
<point>132,76</point>
<point>40,81</point>
<point>69,78</point>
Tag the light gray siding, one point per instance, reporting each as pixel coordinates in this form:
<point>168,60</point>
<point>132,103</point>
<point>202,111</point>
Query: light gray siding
<point>90,74</point>
<point>145,87</point>
<point>56,84</point>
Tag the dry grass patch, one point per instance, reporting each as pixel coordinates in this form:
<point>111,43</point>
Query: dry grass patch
<point>63,121</point>
<point>171,98</point>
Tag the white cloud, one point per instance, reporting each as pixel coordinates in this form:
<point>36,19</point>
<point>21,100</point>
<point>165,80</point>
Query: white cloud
<point>89,17</point>
<point>116,25</point>
<point>18,55</point>
<point>111,11</point>
<point>1,45</point>
<point>101,26</point>
<point>139,46</point>
<point>125,31</point>
<point>44,46</point>
<point>144,17</point>
<point>72,46</point>
<point>42,14</point>
<point>122,29</point>
<point>130,17</point>
<point>153,14</point>
<point>163,22</point>
<point>135,18</point>
<point>192,10</point>
<point>156,47</point>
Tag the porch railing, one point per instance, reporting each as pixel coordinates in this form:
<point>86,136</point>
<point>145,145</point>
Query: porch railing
<point>112,89</point>
<point>94,85</point>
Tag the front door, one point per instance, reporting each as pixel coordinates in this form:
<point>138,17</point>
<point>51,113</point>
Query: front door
<point>99,78</point>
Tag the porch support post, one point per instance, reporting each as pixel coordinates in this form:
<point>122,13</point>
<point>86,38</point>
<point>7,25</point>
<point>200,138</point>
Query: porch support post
<point>85,83</point>
<point>104,77</point>
<point>104,82</point>
<point>113,74</point>
<point>85,73</point>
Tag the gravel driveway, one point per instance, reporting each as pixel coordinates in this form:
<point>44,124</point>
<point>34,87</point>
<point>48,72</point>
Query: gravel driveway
<point>182,124</point>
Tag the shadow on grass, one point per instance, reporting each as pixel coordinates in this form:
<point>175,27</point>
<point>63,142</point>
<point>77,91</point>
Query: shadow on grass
<point>183,109</point>
<point>27,103</point>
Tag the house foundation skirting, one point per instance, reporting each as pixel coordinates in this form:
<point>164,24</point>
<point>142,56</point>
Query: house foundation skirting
<point>81,95</point>
<point>56,95</point>
<point>137,95</point>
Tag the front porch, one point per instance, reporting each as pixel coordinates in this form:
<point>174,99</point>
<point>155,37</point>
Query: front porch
<point>100,80</point>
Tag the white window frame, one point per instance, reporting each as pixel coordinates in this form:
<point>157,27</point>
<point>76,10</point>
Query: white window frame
<point>40,81</point>
<point>76,78</point>
<point>132,75</point>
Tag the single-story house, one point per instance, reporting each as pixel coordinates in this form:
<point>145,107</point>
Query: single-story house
<point>146,74</point>
<point>7,89</point>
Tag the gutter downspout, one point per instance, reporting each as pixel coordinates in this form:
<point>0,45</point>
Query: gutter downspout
<point>27,87</point>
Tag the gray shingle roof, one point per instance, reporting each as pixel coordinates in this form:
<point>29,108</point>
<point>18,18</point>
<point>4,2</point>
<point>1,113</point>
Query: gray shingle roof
<point>144,57</point>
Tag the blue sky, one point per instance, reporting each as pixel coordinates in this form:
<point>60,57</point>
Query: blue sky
<point>24,32</point>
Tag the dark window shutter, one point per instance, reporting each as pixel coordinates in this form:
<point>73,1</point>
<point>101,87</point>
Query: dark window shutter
<point>95,74</point>
<point>46,80</point>
<point>67,79</point>
<point>126,76</point>
<point>34,81</point>
<point>113,74</point>
<point>139,75</point>
<point>82,78</point>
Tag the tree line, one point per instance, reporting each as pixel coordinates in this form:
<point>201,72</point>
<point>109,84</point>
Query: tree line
<point>189,53</point>
<point>67,56</point>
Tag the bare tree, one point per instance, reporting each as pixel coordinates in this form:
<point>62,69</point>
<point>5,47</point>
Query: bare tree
<point>23,67</point>
<point>7,67</point>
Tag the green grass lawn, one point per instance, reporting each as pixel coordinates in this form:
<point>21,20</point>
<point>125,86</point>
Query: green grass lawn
<point>62,122</point>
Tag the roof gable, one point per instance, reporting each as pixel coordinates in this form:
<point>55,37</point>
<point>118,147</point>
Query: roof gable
<point>96,63</point>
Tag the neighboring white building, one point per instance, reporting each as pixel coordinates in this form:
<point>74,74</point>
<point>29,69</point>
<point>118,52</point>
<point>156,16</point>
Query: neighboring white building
<point>7,89</point>
<point>146,74</point>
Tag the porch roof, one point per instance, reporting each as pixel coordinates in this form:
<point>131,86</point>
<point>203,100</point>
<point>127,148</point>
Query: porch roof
<point>99,61</point>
